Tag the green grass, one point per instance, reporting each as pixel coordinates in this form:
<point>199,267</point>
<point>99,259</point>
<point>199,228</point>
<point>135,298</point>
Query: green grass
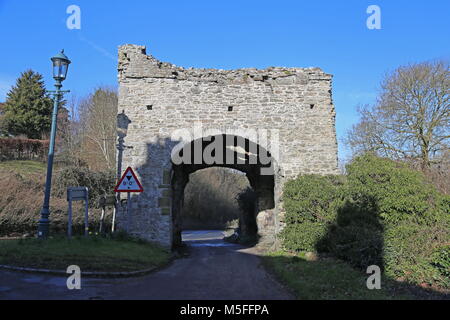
<point>330,279</point>
<point>93,254</point>
<point>23,167</point>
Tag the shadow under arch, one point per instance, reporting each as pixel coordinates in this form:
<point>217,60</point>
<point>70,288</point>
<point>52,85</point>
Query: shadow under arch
<point>226,151</point>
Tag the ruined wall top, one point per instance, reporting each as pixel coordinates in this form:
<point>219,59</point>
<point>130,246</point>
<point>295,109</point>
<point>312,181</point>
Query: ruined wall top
<point>134,63</point>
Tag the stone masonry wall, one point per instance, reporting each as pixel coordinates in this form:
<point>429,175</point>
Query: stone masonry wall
<point>156,98</point>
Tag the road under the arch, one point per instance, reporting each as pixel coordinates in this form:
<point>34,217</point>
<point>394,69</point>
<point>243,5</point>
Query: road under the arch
<point>214,270</point>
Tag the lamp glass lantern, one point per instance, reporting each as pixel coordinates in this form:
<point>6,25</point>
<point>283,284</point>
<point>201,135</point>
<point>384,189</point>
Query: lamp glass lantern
<point>60,66</point>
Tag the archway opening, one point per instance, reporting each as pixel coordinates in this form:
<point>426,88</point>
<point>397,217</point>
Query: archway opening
<point>211,199</point>
<point>257,216</point>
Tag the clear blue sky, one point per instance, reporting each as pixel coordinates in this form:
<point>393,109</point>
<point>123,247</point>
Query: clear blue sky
<point>228,34</point>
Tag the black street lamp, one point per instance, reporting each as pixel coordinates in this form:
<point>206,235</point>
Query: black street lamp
<point>60,67</point>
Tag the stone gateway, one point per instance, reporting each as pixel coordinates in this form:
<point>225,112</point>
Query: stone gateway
<point>271,124</point>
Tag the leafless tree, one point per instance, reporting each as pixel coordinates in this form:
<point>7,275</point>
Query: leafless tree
<point>411,119</point>
<point>98,122</point>
<point>69,133</point>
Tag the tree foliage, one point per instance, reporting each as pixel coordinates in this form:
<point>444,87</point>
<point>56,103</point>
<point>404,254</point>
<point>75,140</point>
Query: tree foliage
<point>28,107</point>
<point>411,119</point>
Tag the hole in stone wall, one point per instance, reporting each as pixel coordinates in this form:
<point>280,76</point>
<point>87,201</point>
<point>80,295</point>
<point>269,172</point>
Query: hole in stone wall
<point>312,106</point>
<point>230,109</point>
<point>150,107</point>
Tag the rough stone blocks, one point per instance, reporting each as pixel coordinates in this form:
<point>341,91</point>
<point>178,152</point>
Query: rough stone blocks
<point>156,98</point>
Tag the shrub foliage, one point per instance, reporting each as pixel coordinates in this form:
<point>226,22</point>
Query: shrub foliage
<point>381,213</point>
<point>310,203</point>
<point>99,183</point>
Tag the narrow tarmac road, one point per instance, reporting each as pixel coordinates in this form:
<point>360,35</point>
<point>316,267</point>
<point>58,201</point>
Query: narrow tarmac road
<point>214,270</point>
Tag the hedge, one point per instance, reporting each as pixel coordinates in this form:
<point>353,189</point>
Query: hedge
<point>382,213</point>
<point>23,149</point>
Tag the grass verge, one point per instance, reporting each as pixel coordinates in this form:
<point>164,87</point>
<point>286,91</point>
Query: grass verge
<point>330,279</point>
<point>93,254</point>
<point>25,167</point>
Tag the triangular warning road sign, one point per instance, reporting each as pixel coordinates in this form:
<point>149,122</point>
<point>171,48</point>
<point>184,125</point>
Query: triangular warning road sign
<point>129,183</point>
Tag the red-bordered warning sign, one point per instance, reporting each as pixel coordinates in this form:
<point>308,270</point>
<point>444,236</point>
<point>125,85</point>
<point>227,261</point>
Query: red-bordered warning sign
<point>129,183</point>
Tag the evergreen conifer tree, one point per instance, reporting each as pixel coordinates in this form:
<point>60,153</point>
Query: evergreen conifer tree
<point>28,107</point>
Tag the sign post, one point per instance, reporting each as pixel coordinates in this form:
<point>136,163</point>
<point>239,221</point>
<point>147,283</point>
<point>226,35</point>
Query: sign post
<point>129,183</point>
<point>129,222</point>
<point>78,194</point>
<point>107,201</point>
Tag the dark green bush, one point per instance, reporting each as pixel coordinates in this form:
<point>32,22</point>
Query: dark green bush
<point>441,261</point>
<point>303,236</point>
<point>99,183</point>
<point>383,213</point>
<point>411,252</point>
<point>414,215</point>
<point>393,191</point>
<point>311,204</point>
<point>356,236</point>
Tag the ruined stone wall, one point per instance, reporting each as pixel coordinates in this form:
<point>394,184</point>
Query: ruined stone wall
<point>156,98</point>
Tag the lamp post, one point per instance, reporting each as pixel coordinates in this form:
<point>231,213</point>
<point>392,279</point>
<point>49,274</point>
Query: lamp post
<point>60,67</point>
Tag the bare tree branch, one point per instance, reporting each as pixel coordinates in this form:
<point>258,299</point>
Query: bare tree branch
<point>411,119</point>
